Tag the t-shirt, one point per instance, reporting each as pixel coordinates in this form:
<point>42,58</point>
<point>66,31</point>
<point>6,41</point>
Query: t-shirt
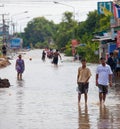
<point>103,74</point>
<point>83,73</point>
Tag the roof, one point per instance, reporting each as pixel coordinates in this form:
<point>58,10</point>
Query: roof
<point>102,39</point>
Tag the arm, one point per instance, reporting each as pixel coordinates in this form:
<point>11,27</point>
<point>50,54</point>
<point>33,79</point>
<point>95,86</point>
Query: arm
<point>16,64</point>
<point>89,75</point>
<point>96,79</point>
<point>23,64</point>
<point>87,79</point>
<point>60,56</point>
<point>110,77</point>
<point>78,76</point>
<point>110,80</point>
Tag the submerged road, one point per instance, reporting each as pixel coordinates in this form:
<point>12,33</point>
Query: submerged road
<point>46,98</point>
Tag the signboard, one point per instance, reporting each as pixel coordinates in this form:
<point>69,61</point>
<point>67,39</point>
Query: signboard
<point>74,44</point>
<point>106,5</point>
<point>111,47</point>
<point>113,22</point>
<point>5,33</point>
<point>15,43</point>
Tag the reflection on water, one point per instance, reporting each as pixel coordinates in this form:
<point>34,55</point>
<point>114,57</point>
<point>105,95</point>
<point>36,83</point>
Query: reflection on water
<point>20,83</point>
<point>20,103</point>
<point>19,100</point>
<point>104,120</point>
<point>83,118</point>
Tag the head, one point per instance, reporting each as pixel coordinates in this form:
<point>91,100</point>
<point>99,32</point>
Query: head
<point>83,61</point>
<point>20,56</point>
<point>111,53</point>
<point>103,61</point>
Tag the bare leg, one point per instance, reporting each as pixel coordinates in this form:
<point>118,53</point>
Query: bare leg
<point>20,76</point>
<point>104,97</point>
<point>79,98</point>
<point>85,98</point>
<point>100,97</point>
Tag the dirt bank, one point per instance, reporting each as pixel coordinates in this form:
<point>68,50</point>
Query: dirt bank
<point>4,62</point>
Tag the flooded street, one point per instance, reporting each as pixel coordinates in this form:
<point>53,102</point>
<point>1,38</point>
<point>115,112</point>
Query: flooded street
<point>46,98</point>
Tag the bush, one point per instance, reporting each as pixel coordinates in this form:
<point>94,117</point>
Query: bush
<point>88,52</point>
<point>41,45</point>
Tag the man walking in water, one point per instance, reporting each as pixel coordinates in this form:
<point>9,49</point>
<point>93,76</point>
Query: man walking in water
<point>55,57</point>
<point>83,76</point>
<point>103,78</point>
<point>43,55</point>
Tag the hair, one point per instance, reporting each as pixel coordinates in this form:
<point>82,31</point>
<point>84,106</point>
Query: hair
<point>83,59</point>
<point>111,53</point>
<point>19,55</point>
<point>102,58</point>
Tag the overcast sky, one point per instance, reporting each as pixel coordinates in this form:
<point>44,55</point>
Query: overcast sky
<point>46,8</point>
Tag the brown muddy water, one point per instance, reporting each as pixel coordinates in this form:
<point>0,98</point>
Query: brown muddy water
<point>46,98</point>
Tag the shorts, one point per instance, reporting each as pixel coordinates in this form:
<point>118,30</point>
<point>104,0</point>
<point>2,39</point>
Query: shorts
<point>103,88</point>
<point>83,88</point>
<point>117,69</point>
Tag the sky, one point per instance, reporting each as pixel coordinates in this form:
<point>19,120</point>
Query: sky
<point>14,10</point>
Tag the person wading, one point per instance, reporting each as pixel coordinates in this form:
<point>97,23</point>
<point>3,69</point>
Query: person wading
<point>20,67</point>
<point>83,76</point>
<point>103,79</point>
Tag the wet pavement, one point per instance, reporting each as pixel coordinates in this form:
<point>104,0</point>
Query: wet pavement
<point>46,98</point>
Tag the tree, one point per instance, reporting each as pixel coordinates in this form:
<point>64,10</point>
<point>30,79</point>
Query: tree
<point>39,30</point>
<point>65,30</point>
<point>86,29</point>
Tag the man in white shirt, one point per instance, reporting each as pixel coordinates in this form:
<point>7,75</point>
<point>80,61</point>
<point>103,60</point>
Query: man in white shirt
<point>103,79</point>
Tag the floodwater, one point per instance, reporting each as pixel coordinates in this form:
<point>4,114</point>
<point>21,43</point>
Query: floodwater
<point>46,98</point>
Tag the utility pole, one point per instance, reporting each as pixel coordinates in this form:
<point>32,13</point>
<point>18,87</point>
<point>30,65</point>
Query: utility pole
<point>4,28</point>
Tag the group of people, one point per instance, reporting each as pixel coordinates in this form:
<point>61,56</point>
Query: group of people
<point>114,62</point>
<point>53,55</point>
<point>20,65</point>
<point>103,79</point>
<point>103,76</point>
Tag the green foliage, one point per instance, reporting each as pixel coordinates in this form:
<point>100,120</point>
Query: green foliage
<point>65,30</point>
<point>38,30</point>
<point>41,45</point>
<point>88,52</point>
<point>68,50</point>
<point>104,23</point>
<point>53,46</point>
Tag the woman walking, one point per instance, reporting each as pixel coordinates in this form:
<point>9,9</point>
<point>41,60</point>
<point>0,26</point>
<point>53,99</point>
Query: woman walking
<point>20,67</point>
